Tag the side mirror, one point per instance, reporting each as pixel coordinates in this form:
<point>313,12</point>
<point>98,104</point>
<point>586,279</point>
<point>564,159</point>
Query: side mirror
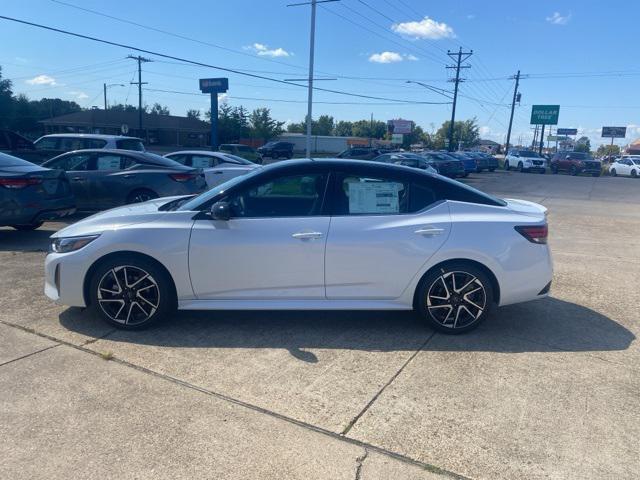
<point>221,211</point>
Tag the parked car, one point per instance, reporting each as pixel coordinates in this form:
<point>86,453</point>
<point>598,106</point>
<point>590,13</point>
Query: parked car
<point>240,150</point>
<point>445,164</point>
<point>16,145</point>
<point>575,163</point>
<point>218,167</point>
<point>626,165</point>
<point>30,194</point>
<point>525,161</point>
<point>360,153</point>
<point>485,161</point>
<point>102,178</point>
<point>276,150</point>
<point>469,163</point>
<point>407,159</point>
<point>50,146</point>
<point>311,235</point>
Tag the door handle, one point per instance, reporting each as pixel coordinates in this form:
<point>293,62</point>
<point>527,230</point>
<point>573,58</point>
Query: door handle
<point>429,231</point>
<point>307,235</point>
<point>218,172</point>
<point>128,175</point>
<point>77,179</point>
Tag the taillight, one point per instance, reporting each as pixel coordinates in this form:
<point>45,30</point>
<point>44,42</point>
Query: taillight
<point>182,177</point>
<point>19,182</point>
<point>534,233</point>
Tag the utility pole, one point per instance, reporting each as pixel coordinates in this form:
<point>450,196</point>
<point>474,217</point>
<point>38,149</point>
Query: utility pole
<point>513,106</point>
<point>461,57</point>
<point>105,86</point>
<point>139,83</point>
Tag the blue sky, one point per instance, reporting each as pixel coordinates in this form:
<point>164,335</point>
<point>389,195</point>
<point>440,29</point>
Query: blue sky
<point>581,55</point>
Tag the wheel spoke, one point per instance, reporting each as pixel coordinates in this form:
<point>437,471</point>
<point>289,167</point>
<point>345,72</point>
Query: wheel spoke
<point>125,302</point>
<point>146,301</point>
<point>115,276</point>
<point>473,279</point>
<point>456,299</point>
<point>146,275</point>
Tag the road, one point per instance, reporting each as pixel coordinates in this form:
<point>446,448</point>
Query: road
<point>547,389</point>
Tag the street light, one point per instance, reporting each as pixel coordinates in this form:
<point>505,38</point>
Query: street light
<point>105,86</point>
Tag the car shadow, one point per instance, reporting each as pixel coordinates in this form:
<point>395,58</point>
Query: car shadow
<point>542,326</point>
<point>35,240</point>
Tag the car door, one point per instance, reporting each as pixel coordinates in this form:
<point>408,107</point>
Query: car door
<point>109,182</point>
<point>384,228</point>
<point>272,247</point>
<point>78,168</point>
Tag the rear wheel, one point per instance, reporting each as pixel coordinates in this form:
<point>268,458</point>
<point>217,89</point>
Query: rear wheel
<point>574,170</point>
<point>613,172</point>
<point>131,292</point>
<point>455,298</point>
<point>28,227</point>
<point>634,174</point>
<point>506,165</point>
<point>520,167</point>
<point>142,195</point>
<point>554,169</point>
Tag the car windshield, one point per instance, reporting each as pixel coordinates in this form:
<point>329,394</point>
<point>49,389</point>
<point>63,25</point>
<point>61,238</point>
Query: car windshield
<point>528,154</point>
<point>9,161</point>
<point>198,200</point>
<point>636,161</point>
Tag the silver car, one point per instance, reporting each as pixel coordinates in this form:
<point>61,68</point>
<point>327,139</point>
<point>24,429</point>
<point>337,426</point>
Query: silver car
<point>218,167</point>
<point>103,178</point>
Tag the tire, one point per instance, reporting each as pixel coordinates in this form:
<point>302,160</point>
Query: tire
<point>634,174</point>
<point>27,227</point>
<point>141,195</point>
<point>148,300</point>
<point>613,172</point>
<point>573,171</point>
<point>506,165</point>
<point>492,169</point>
<point>520,167</point>
<point>543,171</point>
<point>554,169</point>
<point>476,297</point>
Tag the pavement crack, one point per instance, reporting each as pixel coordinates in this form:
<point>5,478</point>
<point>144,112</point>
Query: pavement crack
<point>393,377</point>
<point>29,354</point>
<point>359,461</point>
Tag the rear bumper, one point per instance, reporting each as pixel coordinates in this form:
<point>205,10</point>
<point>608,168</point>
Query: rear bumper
<point>37,212</point>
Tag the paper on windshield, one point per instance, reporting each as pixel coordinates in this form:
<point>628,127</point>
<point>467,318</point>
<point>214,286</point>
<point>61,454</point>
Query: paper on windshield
<point>374,197</point>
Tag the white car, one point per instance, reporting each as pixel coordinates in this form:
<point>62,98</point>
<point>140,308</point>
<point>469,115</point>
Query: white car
<point>308,234</point>
<point>525,161</point>
<point>218,167</point>
<point>626,165</point>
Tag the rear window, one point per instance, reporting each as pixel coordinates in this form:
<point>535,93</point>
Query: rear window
<point>46,143</point>
<point>225,148</point>
<point>93,143</point>
<point>228,158</point>
<point>243,148</point>
<point>130,144</point>
<point>9,161</point>
<point>447,189</point>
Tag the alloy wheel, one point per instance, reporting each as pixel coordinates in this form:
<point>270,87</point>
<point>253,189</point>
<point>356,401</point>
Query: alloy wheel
<point>142,197</point>
<point>128,295</point>
<point>456,299</point>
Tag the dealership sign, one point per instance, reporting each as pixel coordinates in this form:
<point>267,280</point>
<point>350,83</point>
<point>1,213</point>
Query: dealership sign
<point>214,85</point>
<point>614,132</point>
<point>397,138</point>
<point>399,126</point>
<point>545,114</point>
<point>567,131</point>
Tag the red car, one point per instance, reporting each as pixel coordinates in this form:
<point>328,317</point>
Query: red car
<point>575,163</point>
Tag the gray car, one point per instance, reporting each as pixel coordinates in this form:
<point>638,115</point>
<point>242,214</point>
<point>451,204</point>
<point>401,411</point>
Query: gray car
<point>30,194</point>
<point>104,178</point>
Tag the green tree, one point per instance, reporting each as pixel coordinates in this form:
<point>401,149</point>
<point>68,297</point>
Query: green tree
<point>608,150</point>
<point>297,127</point>
<point>119,107</point>
<point>263,126</point>
<point>583,144</point>
<point>192,113</point>
<point>158,109</point>
<point>6,100</point>
<point>233,123</point>
<point>323,126</point>
<point>366,129</point>
<point>465,133</point>
<point>343,129</point>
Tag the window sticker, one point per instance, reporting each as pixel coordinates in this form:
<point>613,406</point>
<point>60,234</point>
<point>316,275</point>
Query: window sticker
<point>374,197</point>
<point>200,162</point>
<point>109,162</point>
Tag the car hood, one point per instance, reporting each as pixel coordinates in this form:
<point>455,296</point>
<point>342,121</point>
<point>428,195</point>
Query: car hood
<point>525,207</point>
<point>116,218</point>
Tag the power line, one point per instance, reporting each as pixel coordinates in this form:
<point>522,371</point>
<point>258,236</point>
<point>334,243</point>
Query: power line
<point>458,66</point>
<point>202,64</point>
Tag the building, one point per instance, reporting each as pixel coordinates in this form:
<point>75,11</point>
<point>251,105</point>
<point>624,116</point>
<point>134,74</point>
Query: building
<point>489,146</point>
<point>329,143</point>
<point>158,130</point>
<point>634,148</point>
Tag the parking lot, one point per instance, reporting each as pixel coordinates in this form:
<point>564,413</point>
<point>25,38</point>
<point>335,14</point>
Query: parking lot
<point>547,389</point>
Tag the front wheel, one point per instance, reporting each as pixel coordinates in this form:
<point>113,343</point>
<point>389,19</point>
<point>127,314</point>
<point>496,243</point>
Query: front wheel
<point>142,195</point>
<point>613,172</point>
<point>574,170</point>
<point>131,292</point>
<point>28,227</point>
<point>554,169</point>
<point>520,167</point>
<point>634,174</point>
<point>506,165</point>
<point>455,298</point>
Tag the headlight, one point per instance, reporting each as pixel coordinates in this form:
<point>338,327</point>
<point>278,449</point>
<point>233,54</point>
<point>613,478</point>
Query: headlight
<point>71,244</point>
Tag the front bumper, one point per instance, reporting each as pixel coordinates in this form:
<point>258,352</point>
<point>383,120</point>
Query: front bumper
<point>64,275</point>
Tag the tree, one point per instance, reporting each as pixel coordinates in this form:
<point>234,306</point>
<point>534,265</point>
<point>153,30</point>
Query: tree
<point>343,129</point>
<point>583,144</point>
<point>119,107</point>
<point>323,126</point>
<point>6,100</point>
<point>233,123</point>
<point>158,109</point>
<point>608,150</point>
<point>263,126</point>
<point>297,127</point>
<point>465,133</point>
<point>191,113</point>
<point>366,129</point>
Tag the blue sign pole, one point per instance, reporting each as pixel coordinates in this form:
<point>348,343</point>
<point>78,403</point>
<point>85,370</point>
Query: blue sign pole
<point>214,121</point>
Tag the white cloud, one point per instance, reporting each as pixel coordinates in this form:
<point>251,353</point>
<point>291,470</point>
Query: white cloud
<point>42,80</point>
<point>223,97</point>
<point>558,19</point>
<point>471,16</point>
<point>425,28</point>
<point>391,57</point>
<point>264,51</point>
<point>79,95</point>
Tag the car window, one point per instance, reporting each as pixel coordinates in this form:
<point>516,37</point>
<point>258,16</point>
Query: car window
<point>77,162</point>
<point>420,197</point>
<point>408,162</point>
<point>128,163</point>
<point>203,161</point>
<point>369,195</point>
<point>109,162</point>
<point>4,141</point>
<point>50,143</point>
<point>71,143</point>
<point>288,196</point>
<point>180,158</point>
<point>244,148</point>
<point>228,158</point>
<point>130,144</point>
<point>92,143</point>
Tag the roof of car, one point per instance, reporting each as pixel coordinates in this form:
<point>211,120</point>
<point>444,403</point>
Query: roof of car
<point>97,136</point>
<point>197,152</point>
<point>343,162</point>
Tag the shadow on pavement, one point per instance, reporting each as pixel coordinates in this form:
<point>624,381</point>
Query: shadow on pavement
<point>36,240</point>
<point>545,325</point>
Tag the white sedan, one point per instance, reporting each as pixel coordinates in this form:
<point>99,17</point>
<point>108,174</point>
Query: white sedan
<point>308,234</point>
<point>626,165</point>
<point>218,167</point>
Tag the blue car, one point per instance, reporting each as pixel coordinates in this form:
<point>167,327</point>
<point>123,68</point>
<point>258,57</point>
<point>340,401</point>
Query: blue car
<point>470,164</point>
